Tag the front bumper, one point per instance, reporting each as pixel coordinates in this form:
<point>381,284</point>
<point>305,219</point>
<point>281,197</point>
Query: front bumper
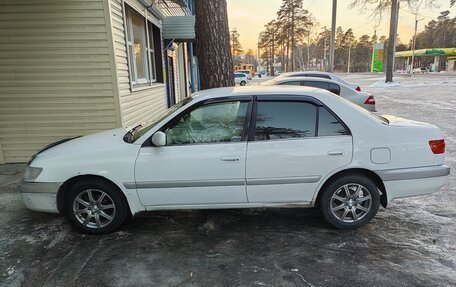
<point>40,196</point>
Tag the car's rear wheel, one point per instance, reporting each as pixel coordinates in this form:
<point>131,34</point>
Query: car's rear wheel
<point>350,201</point>
<point>243,83</point>
<point>95,207</point>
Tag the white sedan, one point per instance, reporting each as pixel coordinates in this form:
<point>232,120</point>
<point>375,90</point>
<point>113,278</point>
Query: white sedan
<point>323,75</point>
<point>241,148</point>
<point>363,99</point>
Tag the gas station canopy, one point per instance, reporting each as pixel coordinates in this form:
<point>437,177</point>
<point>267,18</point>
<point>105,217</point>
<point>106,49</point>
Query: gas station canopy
<point>428,52</point>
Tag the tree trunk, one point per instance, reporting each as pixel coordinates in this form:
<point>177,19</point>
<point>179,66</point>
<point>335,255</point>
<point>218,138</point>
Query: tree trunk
<point>391,41</point>
<point>213,41</point>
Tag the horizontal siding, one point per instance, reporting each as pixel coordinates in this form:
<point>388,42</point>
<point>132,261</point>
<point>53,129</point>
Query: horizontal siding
<point>56,73</point>
<point>135,106</point>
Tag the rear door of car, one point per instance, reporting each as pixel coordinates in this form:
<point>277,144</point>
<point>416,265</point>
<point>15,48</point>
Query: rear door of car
<point>294,142</point>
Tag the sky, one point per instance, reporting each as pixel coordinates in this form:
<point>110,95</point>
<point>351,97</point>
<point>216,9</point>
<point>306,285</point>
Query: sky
<point>250,16</point>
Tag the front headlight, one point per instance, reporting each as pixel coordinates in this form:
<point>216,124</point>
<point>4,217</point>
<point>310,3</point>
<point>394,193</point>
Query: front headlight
<point>31,173</point>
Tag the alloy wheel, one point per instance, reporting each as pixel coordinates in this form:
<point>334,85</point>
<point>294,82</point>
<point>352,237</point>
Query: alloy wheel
<point>94,208</point>
<point>351,202</point>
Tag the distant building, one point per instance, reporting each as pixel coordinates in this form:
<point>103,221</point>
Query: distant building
<point>70,68</point>
<point>432,59</point>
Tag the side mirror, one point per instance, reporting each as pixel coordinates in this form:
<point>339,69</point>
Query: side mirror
<point>159,139</point>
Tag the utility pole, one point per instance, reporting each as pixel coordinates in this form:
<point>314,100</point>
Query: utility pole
<point>308,50</point>
<point>293,61</point>
<point>392,41</point>
<point>324,51</point>
<point>414,37</point>
<point>414,42</point>
<point>349,54</point>
<point>272,55</point>
<point>333,36</point>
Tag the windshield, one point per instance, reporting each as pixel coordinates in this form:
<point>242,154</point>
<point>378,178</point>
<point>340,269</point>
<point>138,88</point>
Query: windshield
<point>138,131</point>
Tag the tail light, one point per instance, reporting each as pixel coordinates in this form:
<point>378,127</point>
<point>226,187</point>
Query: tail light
<point>437,146</point>
<point>358,89</point>
<point>370,100</point>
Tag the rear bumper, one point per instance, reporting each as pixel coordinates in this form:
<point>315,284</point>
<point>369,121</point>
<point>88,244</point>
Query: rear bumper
<point>40,196</point>
<point>413,181</point>
<point>414,173</point>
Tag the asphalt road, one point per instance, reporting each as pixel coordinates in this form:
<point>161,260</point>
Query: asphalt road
<point>411,243</point>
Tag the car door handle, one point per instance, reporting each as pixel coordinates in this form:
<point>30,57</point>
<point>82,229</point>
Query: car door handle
<point>335,152</point>
<point>230,158</point>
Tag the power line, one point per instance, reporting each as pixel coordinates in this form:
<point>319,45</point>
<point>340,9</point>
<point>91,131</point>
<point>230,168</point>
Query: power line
<point>421,15</point>
<point>311,4</point>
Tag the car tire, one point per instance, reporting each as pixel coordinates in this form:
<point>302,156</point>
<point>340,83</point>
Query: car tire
<point>353,209</point>
<point>95,207</point>
<point>243,83</point>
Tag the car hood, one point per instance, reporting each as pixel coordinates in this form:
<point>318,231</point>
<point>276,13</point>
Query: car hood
<point>93,142</point>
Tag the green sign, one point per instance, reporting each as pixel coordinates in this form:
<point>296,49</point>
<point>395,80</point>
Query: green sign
<point>377,61</point>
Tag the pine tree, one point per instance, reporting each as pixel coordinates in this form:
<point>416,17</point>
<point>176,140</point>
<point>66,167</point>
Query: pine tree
<point>213,42</point>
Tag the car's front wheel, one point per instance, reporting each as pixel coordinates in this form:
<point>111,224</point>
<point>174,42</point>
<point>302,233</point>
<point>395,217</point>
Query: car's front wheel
<point>243,83</point>
<point>95,207</point>
<point>350,201</point>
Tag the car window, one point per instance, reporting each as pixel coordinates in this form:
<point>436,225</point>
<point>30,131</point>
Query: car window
<point>239,75</point>
<point>316,84</point>
<point>328,125</point>
<point>283,120</point>
<point>333,88</point>
<point>293,83</point>
<point>211,123</point>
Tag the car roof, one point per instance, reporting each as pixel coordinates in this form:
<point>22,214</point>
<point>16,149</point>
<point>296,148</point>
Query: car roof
<point>316,79</point>
<point>260,90</point>
<point>306,72</point>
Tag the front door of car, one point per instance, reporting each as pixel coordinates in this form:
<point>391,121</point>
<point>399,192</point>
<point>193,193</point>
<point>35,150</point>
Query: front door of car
<point>203,161</point>
<point>292,146</point>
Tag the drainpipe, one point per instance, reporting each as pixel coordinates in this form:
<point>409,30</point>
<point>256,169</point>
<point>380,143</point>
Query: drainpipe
<point>190,48</point>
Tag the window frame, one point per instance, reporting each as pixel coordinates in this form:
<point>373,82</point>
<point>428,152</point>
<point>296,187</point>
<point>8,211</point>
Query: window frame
<point>338,87</point>
<point>288,83</point>
<point>313,81</point>
<point>292,98</point>
<point>149,53</point>
<point>245,130</point>
<point>347,130</point>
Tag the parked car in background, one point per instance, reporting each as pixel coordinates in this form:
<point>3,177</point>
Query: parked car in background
<point>325,75</point>
<point>240,79</point>
<point>363,99</point>
<point>248,73</point>
<point>306,148</point>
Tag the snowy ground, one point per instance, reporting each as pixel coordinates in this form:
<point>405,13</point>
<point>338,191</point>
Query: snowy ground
<point>411,243</point>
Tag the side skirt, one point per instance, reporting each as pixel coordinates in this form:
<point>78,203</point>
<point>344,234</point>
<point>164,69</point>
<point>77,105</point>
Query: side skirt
<point>301,204</point>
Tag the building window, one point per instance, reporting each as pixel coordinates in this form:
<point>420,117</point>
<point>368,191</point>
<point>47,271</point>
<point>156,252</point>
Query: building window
<point>142,58</point>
